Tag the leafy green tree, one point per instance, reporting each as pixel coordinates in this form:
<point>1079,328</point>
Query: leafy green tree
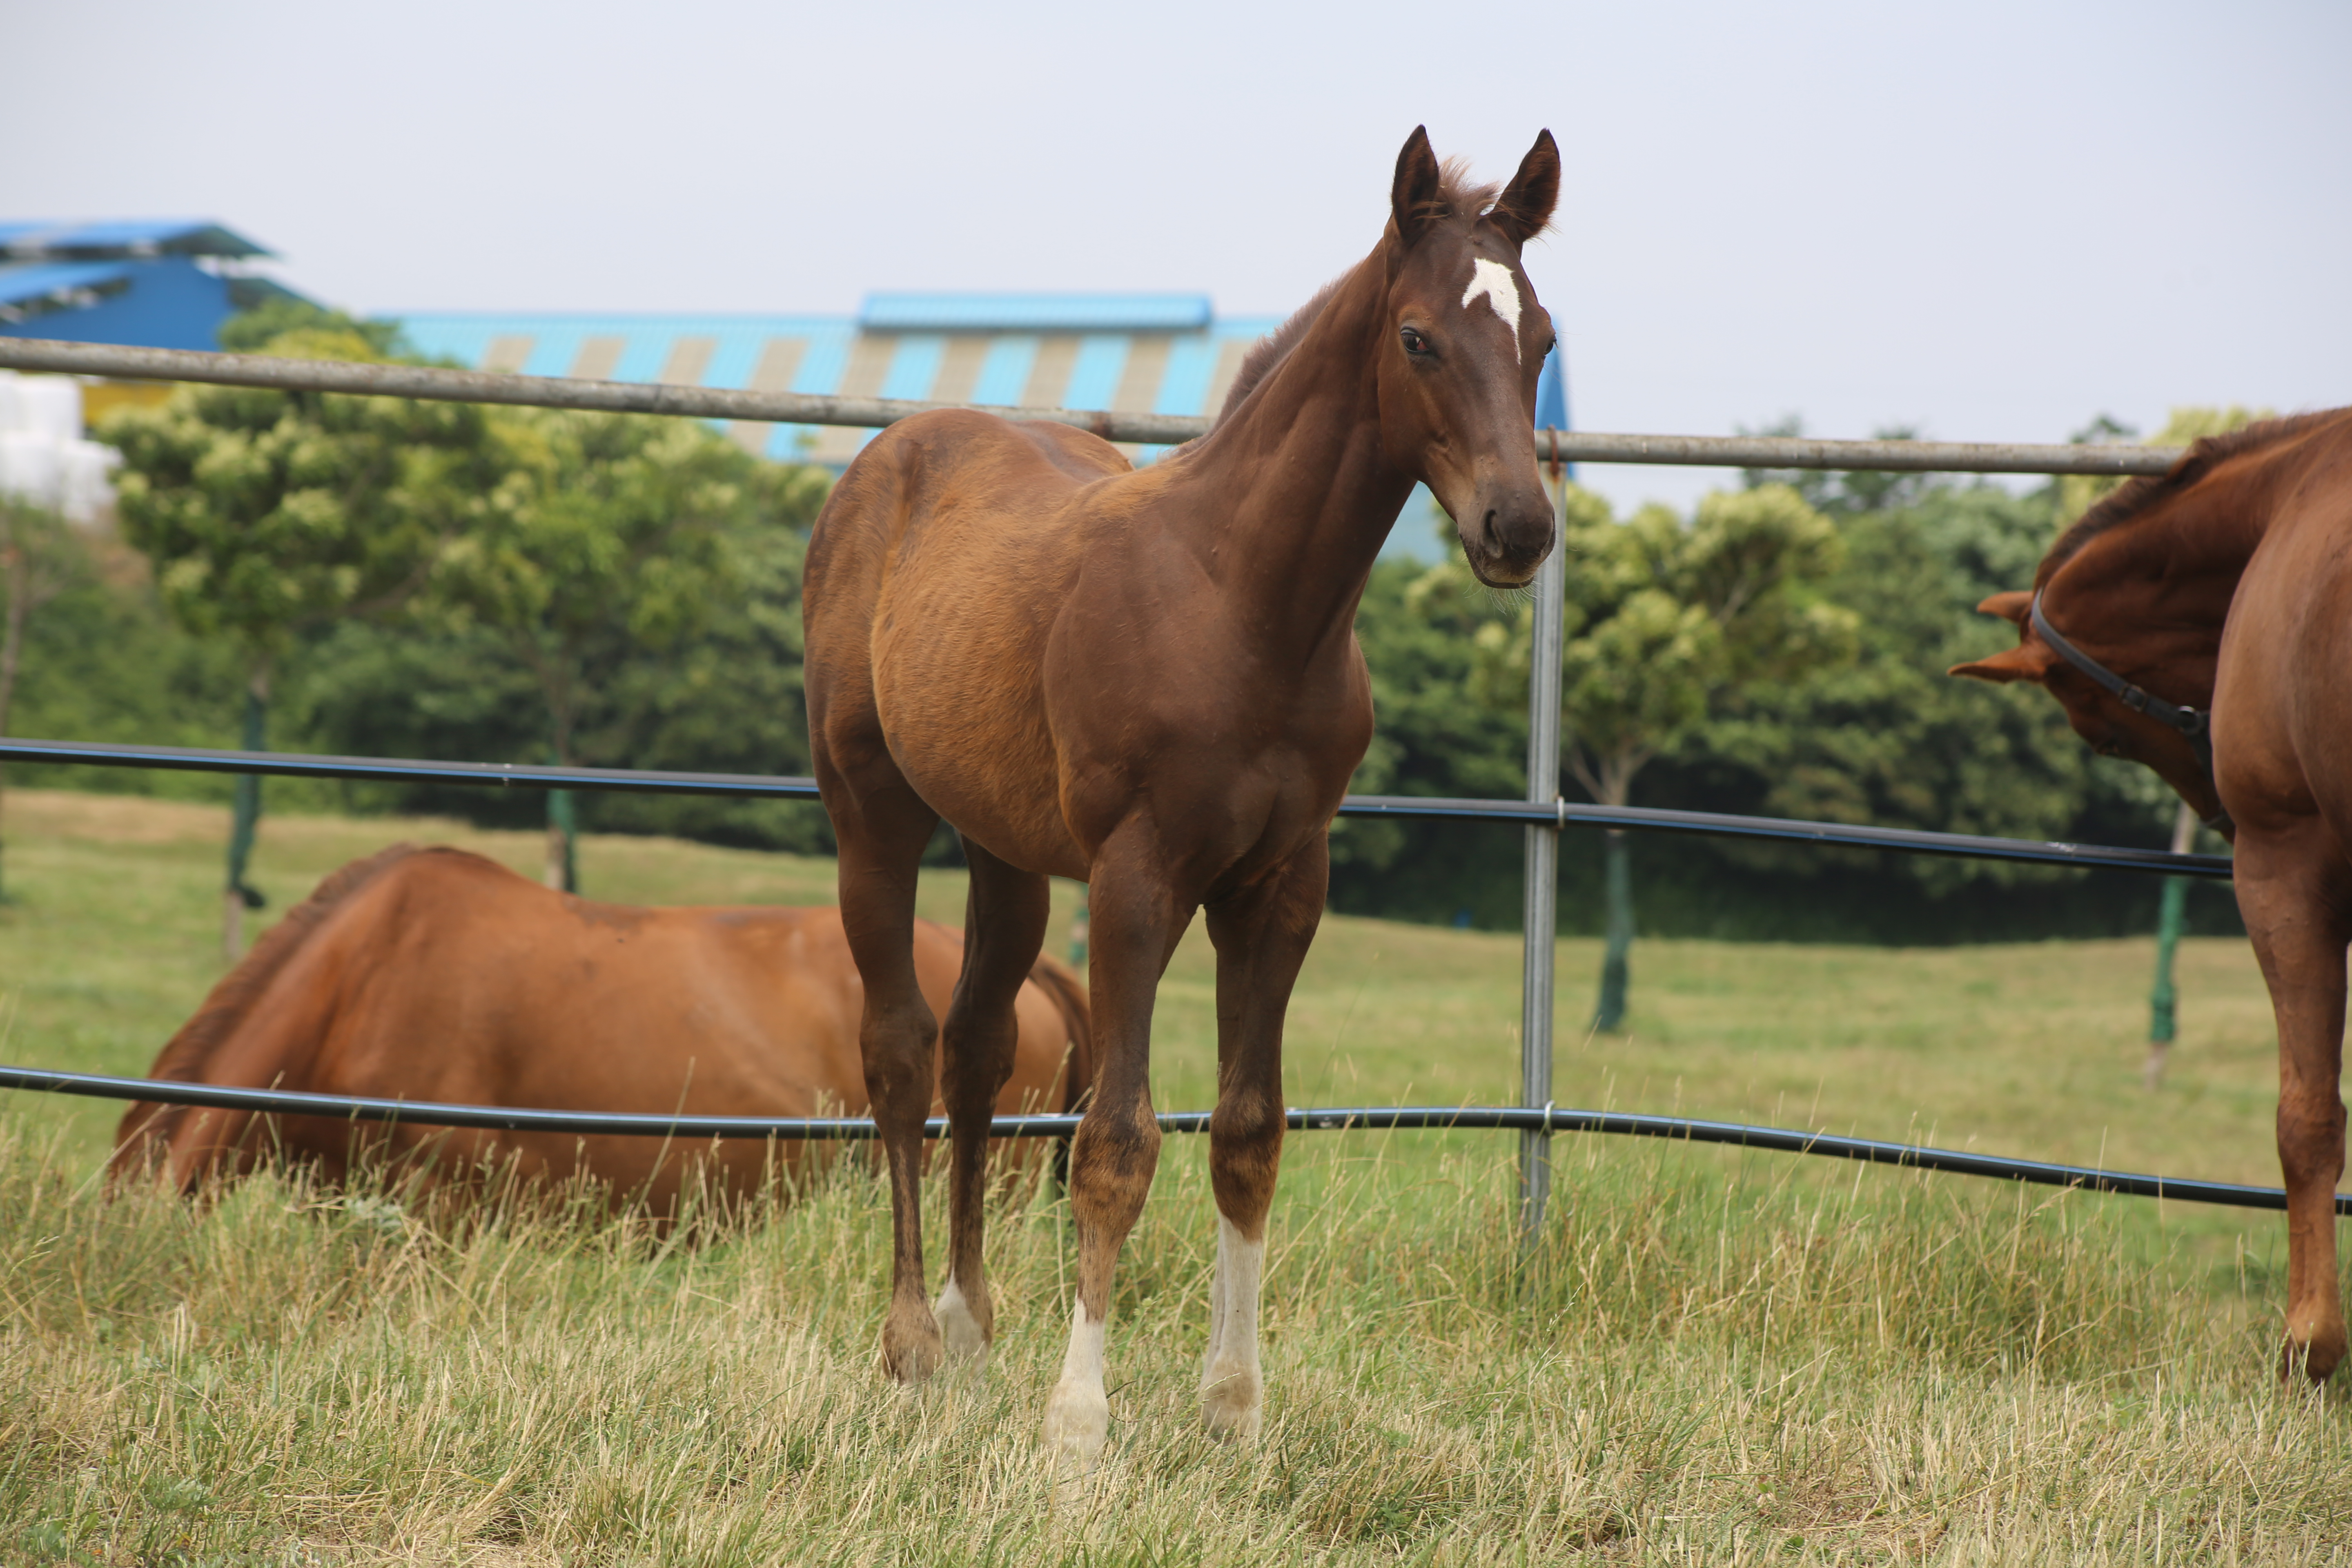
<point>1837,493</point>
<point>254,330</point>
<point>1666,622</point>
<point>1887,738</point>
<point>726,698</point>
<point>267,515</point>
<point>39,556</point>
<point>602,527</point>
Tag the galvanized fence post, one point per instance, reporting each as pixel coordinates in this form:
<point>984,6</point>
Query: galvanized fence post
<point>1542,884</point>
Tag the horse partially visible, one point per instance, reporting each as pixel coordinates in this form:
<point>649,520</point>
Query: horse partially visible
<point>2222,592</point>
<point>435,974</point>
<point>1149,679</point>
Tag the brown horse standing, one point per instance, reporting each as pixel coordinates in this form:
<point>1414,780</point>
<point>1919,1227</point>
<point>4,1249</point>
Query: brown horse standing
<point>2225,587</point>
<point>1149,679</point>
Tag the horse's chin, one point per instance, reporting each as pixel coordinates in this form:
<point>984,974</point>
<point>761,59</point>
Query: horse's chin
<point>1501,575</point>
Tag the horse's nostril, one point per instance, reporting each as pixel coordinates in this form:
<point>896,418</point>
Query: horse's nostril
<point>1494,541</point>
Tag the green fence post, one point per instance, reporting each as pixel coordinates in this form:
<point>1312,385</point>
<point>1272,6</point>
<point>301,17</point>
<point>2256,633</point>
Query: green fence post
<point>563,824</point>
<point>237,894</point>
<point>2163,999</point>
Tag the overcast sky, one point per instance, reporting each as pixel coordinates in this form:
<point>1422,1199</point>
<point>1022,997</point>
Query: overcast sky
<point>1988,220</point>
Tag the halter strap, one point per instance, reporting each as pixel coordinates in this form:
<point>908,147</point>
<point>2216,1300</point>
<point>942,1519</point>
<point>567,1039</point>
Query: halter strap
<point>2198,727</point>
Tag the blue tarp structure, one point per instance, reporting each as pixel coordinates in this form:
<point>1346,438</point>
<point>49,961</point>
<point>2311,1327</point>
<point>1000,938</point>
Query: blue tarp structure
<point>164,283</point>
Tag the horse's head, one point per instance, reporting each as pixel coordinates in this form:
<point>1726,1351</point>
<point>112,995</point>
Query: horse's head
<point>1466,342</point>
<point>2099,619</point>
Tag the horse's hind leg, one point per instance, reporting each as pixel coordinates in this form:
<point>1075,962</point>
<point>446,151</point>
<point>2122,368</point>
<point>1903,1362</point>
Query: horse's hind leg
<point>1262,936</point>
<point>882,831</point>
<point>1004,925</point>
<point>2299,922</point>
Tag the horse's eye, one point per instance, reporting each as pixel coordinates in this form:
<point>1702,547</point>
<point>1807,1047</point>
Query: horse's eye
<point>1414,344</point>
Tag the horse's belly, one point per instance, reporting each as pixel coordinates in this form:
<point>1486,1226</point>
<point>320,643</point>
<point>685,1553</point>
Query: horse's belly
<point>962,717</point>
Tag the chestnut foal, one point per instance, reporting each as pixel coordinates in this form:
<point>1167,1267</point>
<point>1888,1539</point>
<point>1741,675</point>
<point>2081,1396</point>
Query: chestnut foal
<point>1149,679</point>
<point>2225,589</point>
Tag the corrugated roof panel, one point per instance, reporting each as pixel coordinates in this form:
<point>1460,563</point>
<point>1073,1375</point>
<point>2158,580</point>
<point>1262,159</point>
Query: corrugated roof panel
<point>555,351</point>
<point>40,279</point>
<point>1094,377</point>
<point>915,368</point>
<point>1054,365</point>
<point>642,354</point>
<point>959,367</point>
<point>1184,386</point>
<point>827,361</point>
<point>1004,373</point>
<point>734,358</point>
<point>1034,312</point>
<point>112,236</point>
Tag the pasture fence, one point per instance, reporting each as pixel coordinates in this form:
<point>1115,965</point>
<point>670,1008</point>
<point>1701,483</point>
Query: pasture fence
<point>1543,814</point>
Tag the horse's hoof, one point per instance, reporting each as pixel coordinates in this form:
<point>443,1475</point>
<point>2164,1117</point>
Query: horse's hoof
<point>1233,1404</point>
<point>2314,1356</point>
<point>1077,1420</point>
<point>911,1345</point>
<point>960,1333</point>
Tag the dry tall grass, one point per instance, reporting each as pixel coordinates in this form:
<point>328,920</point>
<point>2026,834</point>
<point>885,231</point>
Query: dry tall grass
<point>1713,1357</point>
<point>1709,1360</point>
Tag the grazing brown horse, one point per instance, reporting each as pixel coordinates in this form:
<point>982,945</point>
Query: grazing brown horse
<point>436,975</point>
<point>2225,588</point>
<point>1149,679</point>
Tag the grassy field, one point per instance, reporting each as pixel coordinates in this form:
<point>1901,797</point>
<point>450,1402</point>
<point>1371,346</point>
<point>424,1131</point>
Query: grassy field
<point>1715,1356</point>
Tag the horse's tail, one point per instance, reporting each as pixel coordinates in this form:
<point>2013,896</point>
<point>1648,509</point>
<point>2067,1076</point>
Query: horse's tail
<point>1060,982</point>
<point>146,1130</point>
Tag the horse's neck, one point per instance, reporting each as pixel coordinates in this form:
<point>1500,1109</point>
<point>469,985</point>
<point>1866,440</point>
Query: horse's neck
<point>1287,503</point>
<point>2162,585</point>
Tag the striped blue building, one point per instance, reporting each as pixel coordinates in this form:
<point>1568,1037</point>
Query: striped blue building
<point>1150,353</point>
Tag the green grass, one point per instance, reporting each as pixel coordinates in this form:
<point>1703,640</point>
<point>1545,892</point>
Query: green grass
<point>1715,1356</point>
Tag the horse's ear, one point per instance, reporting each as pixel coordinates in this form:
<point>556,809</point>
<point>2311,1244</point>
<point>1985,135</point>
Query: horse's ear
<point>1526,203</point>
<point>2026,661</point>
<point>1412,197</point>
<point>2012,608</point>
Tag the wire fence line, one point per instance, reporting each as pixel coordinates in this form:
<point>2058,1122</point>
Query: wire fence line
<point>1556,813</point>
<point>440,384</point>
<point>1543,1121</point>
<point>1536,1122</point>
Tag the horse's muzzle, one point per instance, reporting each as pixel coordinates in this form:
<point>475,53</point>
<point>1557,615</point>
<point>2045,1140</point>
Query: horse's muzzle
<point>1508,537</point>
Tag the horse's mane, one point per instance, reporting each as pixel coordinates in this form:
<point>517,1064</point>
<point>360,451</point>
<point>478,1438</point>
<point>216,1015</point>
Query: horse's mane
<point>1457,197</point>
<point>2136,496</point>
<point>236,992</point>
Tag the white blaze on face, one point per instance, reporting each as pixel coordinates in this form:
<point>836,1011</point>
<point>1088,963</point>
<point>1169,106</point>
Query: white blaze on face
<point>1493,279</point>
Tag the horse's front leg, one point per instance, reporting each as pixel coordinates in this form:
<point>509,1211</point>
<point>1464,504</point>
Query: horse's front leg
<point>2296,908</point>
<point>1262,936</point>
<point>1136,921</point>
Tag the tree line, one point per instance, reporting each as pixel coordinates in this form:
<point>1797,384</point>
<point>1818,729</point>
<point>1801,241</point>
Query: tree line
<point>402,578</point>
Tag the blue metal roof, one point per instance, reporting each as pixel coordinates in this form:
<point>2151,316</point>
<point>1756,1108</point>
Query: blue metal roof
<point>1064,355</point>
<point>25,284</point>
<point>27,241</point>
<point>1034,312</point>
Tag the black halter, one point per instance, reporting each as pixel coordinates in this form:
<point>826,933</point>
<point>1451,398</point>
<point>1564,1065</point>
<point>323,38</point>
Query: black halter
<point>2198,727</point>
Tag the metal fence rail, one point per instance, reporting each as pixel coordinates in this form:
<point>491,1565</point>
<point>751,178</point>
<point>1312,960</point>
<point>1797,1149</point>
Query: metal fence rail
<point>1151,429</point>
<point>1541,1121</point>
<point>1541,817</point>
<point>1559,814</point>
